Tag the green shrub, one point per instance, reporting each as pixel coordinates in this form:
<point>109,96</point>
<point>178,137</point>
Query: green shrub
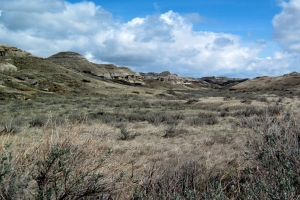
<point>276,149</point>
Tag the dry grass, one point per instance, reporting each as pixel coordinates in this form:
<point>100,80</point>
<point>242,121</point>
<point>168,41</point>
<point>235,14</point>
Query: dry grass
<point>55,163</point>
<point>130,156</point>
<point>156,133</point>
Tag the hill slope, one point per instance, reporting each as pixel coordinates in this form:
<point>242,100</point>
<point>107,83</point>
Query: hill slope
<point>22,75</point>
<point>286,82</point>
<point>79,63</point>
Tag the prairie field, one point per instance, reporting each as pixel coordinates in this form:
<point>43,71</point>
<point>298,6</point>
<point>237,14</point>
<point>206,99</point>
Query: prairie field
<point>126,142</point>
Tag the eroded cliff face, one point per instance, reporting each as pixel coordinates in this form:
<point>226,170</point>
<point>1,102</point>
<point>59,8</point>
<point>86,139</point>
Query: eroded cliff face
<point>7,67</point>
<point>165,76</point>
<point>8,51</point>
<point>208,82</point>
<point>79,63</point>
<point>219,82</point>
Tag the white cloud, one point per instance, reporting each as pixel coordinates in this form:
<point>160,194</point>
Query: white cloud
<point>287,26</point>
<point>152,43</point>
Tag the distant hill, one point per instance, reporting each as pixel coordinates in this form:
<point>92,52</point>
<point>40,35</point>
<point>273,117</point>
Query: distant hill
<point>22,75</point>
<point>78,63</point>
<point>281,83</point>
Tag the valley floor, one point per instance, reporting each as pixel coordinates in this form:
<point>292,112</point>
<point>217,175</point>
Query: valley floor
<point>144,143</point>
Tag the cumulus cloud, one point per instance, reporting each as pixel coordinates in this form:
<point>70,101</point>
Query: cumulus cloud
<point>156,42</point>
<point>287,26</point>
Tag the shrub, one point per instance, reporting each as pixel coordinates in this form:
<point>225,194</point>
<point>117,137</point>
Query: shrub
<point>148,92</point>
<point>171,91</point>
<point>191,101</point>
<point>163,117</point>
<point>171,182</point>
<point>280,99</point>
<point>227,98</point>
<point>13,125</point>
<point>78,117</point>
<point>126,134</point>
<point>138,116</point>
<point>173,131</point>
<point>5,162</point>
<point>109,118</point>
<point>246,101</point>
<point>202,119</point>
<point>263,99</point>
<point>160,96</point>
<point>250,111</point>
<point>39,121</point>
<point>224,112</point>
<point>59,168</point>
<point>276,150</point>
<point>274,110</point>
<point>135,92</point>
<point>273,148</point>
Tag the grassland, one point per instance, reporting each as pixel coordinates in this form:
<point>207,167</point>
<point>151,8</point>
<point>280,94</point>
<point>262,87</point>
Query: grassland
<point>141,142</point>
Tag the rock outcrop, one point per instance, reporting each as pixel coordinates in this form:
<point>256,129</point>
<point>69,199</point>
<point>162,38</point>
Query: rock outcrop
<point>7,67</point>
<point>211,82</point>
<point>219,82</point>
<point>8,51</point>
<point>165,76</point>
<point>79,63</point>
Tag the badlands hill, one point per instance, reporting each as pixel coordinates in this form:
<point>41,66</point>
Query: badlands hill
<point>79,63</point>
<point>287,82</point>
<point>22,75</point>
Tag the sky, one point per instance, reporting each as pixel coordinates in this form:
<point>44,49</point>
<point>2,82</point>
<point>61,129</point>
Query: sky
<point>196,38</point>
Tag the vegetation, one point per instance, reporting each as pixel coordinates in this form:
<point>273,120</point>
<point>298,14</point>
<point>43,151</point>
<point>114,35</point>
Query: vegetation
<point>99,139</point>
<point>59,166</point>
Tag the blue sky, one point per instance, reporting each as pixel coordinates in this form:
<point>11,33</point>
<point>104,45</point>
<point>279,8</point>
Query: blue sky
<point>250,19</point>
<point>235,38</point>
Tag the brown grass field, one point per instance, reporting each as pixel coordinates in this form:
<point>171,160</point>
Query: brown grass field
<point>125,142</point>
